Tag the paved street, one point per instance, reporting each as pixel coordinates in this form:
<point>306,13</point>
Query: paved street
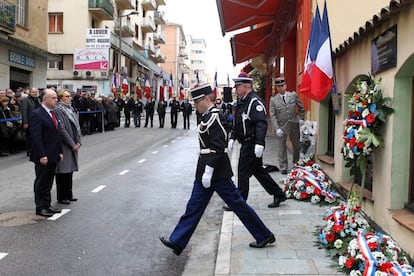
<point>132,187</point>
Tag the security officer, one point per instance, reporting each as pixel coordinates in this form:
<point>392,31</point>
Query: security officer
<point>214,173</point>
<point>286,111</point>
<point>175,108</point>
<point>249,130</point>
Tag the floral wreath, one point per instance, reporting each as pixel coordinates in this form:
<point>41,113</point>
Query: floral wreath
<point>308,182</point>
<point>368,110</point>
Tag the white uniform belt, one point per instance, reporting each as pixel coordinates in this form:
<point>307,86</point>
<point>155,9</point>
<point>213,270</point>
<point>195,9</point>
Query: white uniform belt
<point>207,151</point>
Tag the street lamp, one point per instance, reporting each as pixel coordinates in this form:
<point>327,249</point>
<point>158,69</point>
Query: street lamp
<point>120,39</point>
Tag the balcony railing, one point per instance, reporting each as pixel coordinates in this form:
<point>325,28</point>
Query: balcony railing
<point>159,38</point>
<point>149,5</point>
<point>7,17</point>
<point>159,17</point>
<point>148,25</point>
<point>102,9</point>
<point>125,4</point>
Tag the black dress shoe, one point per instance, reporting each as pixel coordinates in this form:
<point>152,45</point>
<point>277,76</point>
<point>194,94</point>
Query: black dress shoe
<point>54,210</point>
<point>73,199</point>
<point>284,171</point>
<point>277,201</point>
<point>227,208</point>
<point>64,201</point>
<point>44,213</point>
<point>268,240</point>
<point>176,249</point>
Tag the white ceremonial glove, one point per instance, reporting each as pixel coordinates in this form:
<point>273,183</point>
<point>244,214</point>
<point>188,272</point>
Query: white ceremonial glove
<point>207,175</point>
<point>258,150</point>
<point>301,122</point>
<point>279,132</point>
<point>230,144</point>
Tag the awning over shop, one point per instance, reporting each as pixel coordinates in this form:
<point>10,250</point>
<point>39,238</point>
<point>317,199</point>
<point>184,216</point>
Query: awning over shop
<point>147,63</point>
<point>273,19</point>
<point>250,44</point>
<point>237,14</point>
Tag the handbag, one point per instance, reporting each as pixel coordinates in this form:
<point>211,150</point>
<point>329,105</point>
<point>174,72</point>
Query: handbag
<point>20,136</point>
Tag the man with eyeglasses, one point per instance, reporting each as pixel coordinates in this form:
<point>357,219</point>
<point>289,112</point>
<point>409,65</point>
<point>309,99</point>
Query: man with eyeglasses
<point>249,129</point>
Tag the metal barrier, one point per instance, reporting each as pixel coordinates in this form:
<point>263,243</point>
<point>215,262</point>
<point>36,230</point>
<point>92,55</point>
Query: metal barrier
<point>95,111</point>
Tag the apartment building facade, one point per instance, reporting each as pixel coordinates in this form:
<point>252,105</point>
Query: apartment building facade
<point>23,43</point>
<point>106,46</point>
<point>197,55</point>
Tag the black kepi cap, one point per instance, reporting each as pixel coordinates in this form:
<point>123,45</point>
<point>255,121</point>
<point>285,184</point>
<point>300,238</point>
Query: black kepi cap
<point>200,91</point>
<point>280,81</point>
<point>242,78</point>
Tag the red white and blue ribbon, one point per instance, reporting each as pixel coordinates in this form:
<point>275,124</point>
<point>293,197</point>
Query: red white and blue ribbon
<point>370,262</point>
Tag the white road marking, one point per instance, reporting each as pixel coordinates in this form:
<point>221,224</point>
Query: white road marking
<point>58,215</point>
<point>173,141</point>
<point>2,255</point>
<point>165,146</point>
<point>123,172</point>
<point>142,160</point>
<point>155,152</point>
<point>179,137</point>
<point>99,188</point>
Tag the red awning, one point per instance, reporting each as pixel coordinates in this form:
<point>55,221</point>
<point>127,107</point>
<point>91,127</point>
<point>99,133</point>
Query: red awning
<point>237,14</point>
<point>250,44</point>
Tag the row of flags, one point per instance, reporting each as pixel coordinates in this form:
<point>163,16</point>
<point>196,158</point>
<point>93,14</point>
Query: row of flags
<point>318,78</point>
<point>116,83</point>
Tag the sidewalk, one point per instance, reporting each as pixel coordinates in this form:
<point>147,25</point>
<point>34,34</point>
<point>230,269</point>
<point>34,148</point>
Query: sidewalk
<point>293,223</point>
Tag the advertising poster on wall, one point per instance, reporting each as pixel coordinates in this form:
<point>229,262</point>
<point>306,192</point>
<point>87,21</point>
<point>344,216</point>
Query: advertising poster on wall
<point>91,59</point>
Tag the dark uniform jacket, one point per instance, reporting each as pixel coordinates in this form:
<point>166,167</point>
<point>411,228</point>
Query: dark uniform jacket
<point>137,107</point>
<point>150,107</point>
<point>175,107</point>
<point>212,136</point>
<point>250,122</point>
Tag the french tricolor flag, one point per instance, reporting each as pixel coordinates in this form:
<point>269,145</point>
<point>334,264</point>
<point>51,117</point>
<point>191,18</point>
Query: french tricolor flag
<point>215,88</point>
<point>318,77</point>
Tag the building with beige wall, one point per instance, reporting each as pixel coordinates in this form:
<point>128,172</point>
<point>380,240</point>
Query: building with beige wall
<point>389,193</point>
<point>176,56</point>
<point>23,43</point>
<point>134,30</point>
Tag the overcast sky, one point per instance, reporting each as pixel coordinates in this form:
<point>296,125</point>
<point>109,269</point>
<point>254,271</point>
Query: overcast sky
<point>199,19</point>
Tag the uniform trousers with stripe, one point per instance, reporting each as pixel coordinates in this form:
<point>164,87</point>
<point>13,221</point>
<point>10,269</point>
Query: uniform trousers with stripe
<point>198,202</point>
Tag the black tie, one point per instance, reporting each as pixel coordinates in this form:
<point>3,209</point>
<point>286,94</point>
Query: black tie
<point>284,100</point>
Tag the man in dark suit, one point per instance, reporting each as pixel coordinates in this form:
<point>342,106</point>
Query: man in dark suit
<point>187,109</point>
<point>29,104</point>
<point>149,112</point>
<point>46,151</point>
<point>175,108</point>
<point>162,105</point>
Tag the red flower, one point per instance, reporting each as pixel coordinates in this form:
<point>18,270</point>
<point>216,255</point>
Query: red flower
<point>360,145</point>
<point>330,237</point>
<point>303,195</point>
<point>352,142</point>
<point>371,118</point>
<point>373,246</point>
<point>337,228</point>
<point>349,263</point>
<point>385,267</point>
<point>317,191</point>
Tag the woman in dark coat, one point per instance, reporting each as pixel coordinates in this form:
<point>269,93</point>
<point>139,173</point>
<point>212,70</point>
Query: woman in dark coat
<point>70,133</point>
<point>111,113</point>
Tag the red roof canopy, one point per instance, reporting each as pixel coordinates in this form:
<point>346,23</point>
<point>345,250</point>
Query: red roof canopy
<point>237,14</point>
<point>274,19</point>
<point>250,44</point>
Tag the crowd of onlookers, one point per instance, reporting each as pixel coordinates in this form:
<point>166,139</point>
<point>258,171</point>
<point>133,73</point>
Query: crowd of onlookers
<point>96,114</point>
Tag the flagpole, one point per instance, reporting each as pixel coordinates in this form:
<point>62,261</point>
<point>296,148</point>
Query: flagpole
<point>334,95</point>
